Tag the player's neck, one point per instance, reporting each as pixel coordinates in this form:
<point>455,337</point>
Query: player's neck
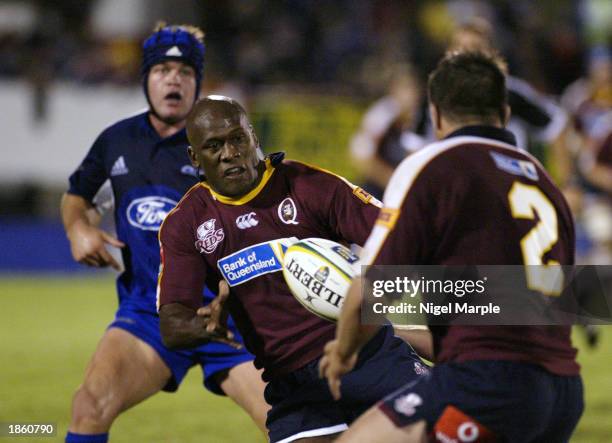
<point>448,127</point>
<point>163,128</point>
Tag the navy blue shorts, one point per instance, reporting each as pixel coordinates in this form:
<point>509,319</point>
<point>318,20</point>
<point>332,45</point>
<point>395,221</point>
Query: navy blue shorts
<point>212,357</point>
<point>302,405</point>
<point>500,401</point>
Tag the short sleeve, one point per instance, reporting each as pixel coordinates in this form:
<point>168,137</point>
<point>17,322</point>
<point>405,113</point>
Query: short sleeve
<point>183,270</point>
<point>91,173</point>
<point>352,212</point>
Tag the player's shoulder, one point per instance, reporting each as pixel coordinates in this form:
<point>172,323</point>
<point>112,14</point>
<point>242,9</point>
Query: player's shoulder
<point>125,126</point>
<point>305,172</point>
<point>449,161</point>
<point>463,146</point>
<point>194,202</point>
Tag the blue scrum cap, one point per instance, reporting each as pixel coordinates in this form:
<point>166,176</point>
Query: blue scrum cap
<point>181,43</point>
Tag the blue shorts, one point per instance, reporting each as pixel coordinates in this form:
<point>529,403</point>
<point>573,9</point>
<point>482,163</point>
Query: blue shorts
<point>302,405</point>
<point>500,401</point>
<point>212,357</point>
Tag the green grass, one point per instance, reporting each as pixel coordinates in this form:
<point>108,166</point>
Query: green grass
<point>49,327</point>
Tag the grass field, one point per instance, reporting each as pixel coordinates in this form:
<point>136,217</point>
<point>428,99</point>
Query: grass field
<point>50,326</point>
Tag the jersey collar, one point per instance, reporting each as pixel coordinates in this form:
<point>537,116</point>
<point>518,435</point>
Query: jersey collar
<point>252,194</point>
<point>499,134</point>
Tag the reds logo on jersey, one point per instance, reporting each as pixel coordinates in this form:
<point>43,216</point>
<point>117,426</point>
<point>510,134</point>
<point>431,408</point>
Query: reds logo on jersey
<point>208,236</point>
<point>287,211</point>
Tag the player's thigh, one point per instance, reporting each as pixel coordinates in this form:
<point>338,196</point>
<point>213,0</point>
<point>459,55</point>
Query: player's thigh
<point>375,427</point>
<point>243,384</point>
<point>124,370</point>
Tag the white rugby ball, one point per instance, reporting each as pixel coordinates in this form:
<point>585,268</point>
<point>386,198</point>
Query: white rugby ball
<point>319,273</point>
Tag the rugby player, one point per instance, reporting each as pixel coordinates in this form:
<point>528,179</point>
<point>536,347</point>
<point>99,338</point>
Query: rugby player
<point>145,158</point>
<point>464,200</point>
<point>229,232</point>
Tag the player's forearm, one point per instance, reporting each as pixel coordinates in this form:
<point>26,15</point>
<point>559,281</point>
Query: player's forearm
<point>351,334</point>
<point>181,327</point>
<point>73,210</point>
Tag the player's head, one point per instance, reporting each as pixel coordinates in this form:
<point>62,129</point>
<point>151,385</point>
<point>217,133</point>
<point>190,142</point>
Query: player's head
<point>172,68</point>
<point>467,88</point>
<point>224,145</point>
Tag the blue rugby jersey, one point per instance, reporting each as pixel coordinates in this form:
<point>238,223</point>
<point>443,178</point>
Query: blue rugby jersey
<point>149,175</point>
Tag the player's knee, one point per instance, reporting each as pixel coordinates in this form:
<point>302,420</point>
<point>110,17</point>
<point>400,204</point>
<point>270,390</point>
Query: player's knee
<point>91,410</point>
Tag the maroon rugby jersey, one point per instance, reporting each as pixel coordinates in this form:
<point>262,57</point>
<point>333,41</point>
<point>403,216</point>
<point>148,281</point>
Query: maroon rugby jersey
<point>475,199</point>
<point>209,237</point>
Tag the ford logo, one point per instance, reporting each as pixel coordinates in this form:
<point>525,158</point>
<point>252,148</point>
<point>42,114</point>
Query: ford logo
<point>148,213</point>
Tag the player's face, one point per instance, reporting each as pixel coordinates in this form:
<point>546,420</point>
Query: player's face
<point>225,147</point>
<point>172,87</point>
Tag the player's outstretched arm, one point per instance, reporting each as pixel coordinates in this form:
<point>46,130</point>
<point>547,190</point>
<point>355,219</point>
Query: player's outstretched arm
<point>184,327</point>
<point>87,243</point>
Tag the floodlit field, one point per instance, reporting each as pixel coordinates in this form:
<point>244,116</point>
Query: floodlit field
<point>50,326</point>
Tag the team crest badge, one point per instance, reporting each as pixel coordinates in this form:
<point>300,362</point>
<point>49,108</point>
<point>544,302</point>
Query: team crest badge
<point>208,236</point>
<point>287,212</point>
<point>322,274</point>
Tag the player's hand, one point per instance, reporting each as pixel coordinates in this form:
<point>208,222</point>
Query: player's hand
<point>88,246</point>
<point>333,366</point>
<point>216,315</point>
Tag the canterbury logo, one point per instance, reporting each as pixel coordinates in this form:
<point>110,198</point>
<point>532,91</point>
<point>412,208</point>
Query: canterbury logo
<point>247,221</point>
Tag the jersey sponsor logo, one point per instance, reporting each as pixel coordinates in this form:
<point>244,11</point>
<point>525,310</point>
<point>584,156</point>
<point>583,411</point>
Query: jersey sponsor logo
<point>119,167</point>
<point>407,404</point>
<point>362,195</point>
<point>174,52</point>
<point>148,213</point>
<point>322,274</point>
<point>454,426</point>
<point>287,211</point>
<point>254,261</point>
<point>515,166</point>
<point>208,236</point>
<point>345,253</point>
<point>247,221</point>
<point>420,368</point>
<point>387,217</point>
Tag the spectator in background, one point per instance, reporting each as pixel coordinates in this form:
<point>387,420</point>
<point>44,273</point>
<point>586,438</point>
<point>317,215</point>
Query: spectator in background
<point>595,165</point>
<point>589,98</point>
<point>389,131</point>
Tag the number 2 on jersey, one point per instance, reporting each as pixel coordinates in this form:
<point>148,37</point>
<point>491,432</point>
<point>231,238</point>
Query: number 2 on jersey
<point>526,202</point>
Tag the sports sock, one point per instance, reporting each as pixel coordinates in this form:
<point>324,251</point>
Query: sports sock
<point>86,438</point>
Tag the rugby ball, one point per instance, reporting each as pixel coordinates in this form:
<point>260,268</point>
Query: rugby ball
<point>319,273</point>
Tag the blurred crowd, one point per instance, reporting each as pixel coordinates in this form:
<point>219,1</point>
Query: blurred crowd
<point>344,42</point>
